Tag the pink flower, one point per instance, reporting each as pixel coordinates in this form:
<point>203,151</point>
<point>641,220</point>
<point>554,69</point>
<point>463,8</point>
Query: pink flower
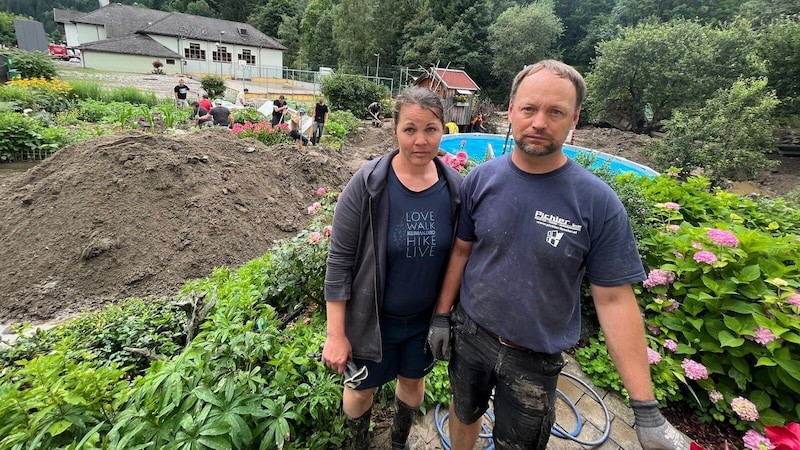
<point>672,205</point>
<point>764,335</point>
<point>327,230</point>
<point>715,396</point>
<point>722,237</point>
<point>673,228</point>
<point>678,255</point>
<point>705,257</point>
<point>694,370</point>
<point>697,245</point>
<point>311,210</point>
<point>658,277</point>
<point>314,237</point>
<point>321,191</point>
<point>653,357</point>
<point>753,440</point>
<point>745,409</point>
<point>653,329</point>
<point>672,305</point>
<point>461,156</point>
<point>463,143</point>
<point>670,345</point>
<point>784,438</point>
<point>793,299</point>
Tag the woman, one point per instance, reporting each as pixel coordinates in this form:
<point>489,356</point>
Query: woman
<point>392,232</point>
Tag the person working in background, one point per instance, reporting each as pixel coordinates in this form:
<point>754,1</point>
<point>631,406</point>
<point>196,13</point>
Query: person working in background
<point>223,117</point>
<point>393,231</point>
<point>279,108</point>
<point>533,222</point>
<point>477,123</point>
<point>296,128</point>
<point>180,92</point>
<point>320,116</point>
<point>205,102</point>
<point>202,118</point>
<point>241,97</point>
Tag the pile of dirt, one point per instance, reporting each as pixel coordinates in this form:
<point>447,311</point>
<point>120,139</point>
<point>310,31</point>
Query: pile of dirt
<point>136,214</point>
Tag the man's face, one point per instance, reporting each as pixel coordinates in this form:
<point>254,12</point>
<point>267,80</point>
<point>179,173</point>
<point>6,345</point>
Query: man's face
<point>180,82</point>
<point>542,113</point>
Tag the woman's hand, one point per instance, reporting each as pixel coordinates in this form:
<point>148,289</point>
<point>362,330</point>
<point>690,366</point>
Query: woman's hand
<point>336,352</point>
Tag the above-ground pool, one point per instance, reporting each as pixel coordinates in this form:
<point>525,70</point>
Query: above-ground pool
<point>477,144</point>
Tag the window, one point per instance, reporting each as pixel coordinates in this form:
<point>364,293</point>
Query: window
<point>221,55</point>
<point>170,62</point>
<point>247,57</point>
<point>242,31</point>
<point>194,52</point>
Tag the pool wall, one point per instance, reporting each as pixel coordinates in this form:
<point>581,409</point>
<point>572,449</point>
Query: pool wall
<point>477,144</point>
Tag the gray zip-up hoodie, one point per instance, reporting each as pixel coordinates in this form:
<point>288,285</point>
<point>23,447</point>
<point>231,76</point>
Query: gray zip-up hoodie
<point>356,267</point>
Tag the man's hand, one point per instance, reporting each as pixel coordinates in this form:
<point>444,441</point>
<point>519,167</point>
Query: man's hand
<point>653,430</point>
<point>439,336</point>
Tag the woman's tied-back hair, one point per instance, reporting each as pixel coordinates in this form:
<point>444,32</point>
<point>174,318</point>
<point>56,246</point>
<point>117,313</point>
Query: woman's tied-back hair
<point>422,97</point>
<point>560,69</point>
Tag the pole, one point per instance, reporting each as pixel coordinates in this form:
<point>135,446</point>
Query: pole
<point>377,66</point>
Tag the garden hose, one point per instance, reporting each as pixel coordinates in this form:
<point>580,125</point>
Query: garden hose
<point>556,431</point>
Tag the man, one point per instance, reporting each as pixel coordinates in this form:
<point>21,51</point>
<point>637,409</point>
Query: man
<point>531,224</point>
<point>320,120</point>
<point>181,91</point>
<point>222,115</point>
<point>205,102</point>
<point>202,118</point>
<point>279,108</point>
<point>241,98</point>
<point>296,128</point>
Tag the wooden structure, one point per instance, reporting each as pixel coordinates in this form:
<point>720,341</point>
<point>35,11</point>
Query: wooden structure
<point>457,91</point>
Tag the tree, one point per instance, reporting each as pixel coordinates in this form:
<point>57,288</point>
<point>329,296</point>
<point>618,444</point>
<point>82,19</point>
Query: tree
<point>289,36</point>
<point>667,66</point>
<point>578,17</point>
<point>779,45</point>
<point>765,11</point>
<point>200,8</point>
<point>523,35</point>
<point>354,31</point>
<point>727,138</point>
<point>7,35</point>
<point>317,45</point>
<point>269,16</point>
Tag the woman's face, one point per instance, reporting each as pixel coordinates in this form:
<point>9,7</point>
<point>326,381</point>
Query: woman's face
<point>418,133</point>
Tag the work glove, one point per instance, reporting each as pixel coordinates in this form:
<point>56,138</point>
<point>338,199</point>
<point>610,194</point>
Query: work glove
<point>653,430</point>
<point>439,336</point>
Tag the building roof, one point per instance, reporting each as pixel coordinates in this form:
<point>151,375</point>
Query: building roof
<point>65,15</point>
<point>124,20</point>
<point>189,26</point>
<point>453,79</point>
<point>137,44</point>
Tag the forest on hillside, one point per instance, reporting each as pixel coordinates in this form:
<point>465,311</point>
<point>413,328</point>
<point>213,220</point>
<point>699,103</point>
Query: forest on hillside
<point>641,51</point>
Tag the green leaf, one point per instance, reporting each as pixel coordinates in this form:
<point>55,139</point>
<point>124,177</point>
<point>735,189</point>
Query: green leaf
<point>205,394</point>
<point>749,273</point>
<point>726,339</point>
<point>741,307</point>
<point>766,361</point>
<point>215,442</point>
<point>791,367</point>
<point>75,399</point>
<point>59,427</point>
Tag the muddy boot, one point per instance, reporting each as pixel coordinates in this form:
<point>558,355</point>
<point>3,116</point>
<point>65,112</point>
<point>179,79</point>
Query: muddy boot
<point>359,431</point>
<point>401,425</point>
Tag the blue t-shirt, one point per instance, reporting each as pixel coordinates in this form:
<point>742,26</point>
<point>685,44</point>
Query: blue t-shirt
<point>418,246</point>
<point>534,236</point>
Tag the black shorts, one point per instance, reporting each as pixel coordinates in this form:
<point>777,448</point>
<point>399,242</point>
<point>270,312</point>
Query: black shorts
<point>524,384</point>
<point>405,351</point>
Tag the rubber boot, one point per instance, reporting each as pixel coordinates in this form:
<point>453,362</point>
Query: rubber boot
<point>359,431</point>
<point>401,425</point>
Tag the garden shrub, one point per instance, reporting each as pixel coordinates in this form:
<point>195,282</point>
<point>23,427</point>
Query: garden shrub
<point>727,138</point>
<point>346,119</point>
<point>32,64</point>
<point>263,131</point>
<point>351,92</point>
<point>248,114</point>
<point>52,95</point>
<point>214,85</point>
<point>21,138</point>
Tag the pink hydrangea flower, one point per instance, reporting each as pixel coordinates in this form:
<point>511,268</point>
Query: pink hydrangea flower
<point>745,409</point>
<point>754,441</point>
<point>658,277</point>
<point>673,228</point>
<point>793,299</point>
<point>321,191</point>
<point>314,237</point>
<point>672,205</point>
<point>722,237</point>
<point>764,335</point>
<point>311,210</point>
<point>670,345</point>
<point>654,330</point>
<point>715,396</point>
<point>705,257</point>
<point>672,305</point>
<point>653,357</point>
<point>327,230</point>
<point>694,370</point>
<point>678,255</point>
<point>697,245</point>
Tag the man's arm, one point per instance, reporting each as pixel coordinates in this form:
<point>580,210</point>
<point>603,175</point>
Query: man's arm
<point>452,278</point>
<point>622,325</point>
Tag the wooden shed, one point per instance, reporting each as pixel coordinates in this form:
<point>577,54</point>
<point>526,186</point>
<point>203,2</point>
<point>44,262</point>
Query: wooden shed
<point>457,91</point>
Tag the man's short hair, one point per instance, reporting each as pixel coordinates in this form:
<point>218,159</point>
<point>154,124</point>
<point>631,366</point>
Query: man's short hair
<point>280,97</point>
<point>559,69</point>
<point>205,95</point>
<point>195,104</point>
<point>218,102</point>
<point>246,90</point>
